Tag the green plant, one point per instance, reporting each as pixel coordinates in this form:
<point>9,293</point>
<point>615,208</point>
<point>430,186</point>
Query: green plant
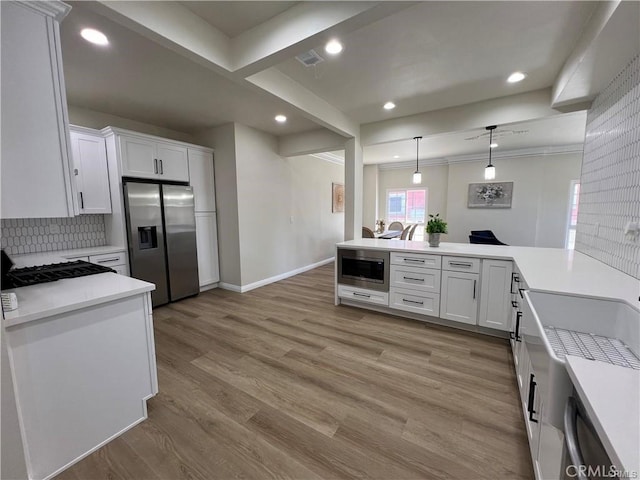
<point>436,224</point>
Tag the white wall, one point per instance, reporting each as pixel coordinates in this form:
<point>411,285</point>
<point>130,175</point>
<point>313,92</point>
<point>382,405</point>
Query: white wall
<point>284,207</point>
<point>540,204</point>
<point>434,179</point>
<point>94,119</point>
<point>370,211</point>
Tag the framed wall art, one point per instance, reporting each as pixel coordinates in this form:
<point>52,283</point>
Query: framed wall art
<point>490,195</point>
<point>337,191</point>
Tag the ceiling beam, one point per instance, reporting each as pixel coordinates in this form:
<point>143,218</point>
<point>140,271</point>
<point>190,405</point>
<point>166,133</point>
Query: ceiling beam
<point>305,143</point>
<point>497,111</point>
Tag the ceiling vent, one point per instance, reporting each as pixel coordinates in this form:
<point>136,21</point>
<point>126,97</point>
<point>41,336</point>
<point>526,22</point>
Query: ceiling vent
<point>310,58</point>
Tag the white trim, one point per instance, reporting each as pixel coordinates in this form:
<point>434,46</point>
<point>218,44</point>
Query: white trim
<point>211,286</point>
<point>276,278</point>
<point>476,157</point>
<point>53,8</point>
<point>329,157</point>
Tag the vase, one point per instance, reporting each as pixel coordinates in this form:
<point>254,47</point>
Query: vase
<point>434,239</point>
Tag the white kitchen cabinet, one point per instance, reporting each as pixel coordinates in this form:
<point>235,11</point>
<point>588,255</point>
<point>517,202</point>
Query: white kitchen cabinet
<point>207,245</point>
<point>91,172</point>
<point>415,278</point>
<point>201,178</point>
<point>459,297</point>
<point>36,165</point>
<point>425,303</point>
<point>147,157</point>
<point>363,295</point>
<point>495,294</point>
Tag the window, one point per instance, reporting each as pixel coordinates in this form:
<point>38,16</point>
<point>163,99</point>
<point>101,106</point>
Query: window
<point>406,206</point>
<point>573,214</point>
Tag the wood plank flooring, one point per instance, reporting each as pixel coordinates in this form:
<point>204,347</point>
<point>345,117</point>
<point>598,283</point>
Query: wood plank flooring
<point>280,383</point>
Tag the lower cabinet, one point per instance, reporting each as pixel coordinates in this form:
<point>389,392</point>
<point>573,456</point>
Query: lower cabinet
<point>207,245</point>
<point>459,297</point>
<point>363,295</point>
<point>425,303</point>
<point>495,306</point>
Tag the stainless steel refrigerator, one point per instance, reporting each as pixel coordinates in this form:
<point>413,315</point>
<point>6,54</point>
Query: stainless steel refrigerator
<point>161,232</point>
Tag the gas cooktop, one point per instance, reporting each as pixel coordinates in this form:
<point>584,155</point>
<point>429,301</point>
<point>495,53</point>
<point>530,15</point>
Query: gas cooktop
<point>23,277</point>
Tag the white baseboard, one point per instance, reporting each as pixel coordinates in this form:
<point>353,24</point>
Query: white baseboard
<point>276,278</point>
<point>211,286</point>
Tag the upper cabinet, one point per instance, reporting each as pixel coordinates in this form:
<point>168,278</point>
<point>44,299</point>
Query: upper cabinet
<point>148,157</point>
<point>202,179</point>
<point>36,166</point>
<point>89,154</point>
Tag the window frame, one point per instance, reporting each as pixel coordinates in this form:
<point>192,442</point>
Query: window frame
<point>406,191</point>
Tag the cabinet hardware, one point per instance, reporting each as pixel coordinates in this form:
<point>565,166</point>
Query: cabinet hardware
<point>413,260</point>
<point>81,201</point>
<point>532,396</point>
<point>520,290</point>
<point>361,295</point>
<point>514,280</point>
<point>474,289</point>
<point>458,264</point>
<point>514,304</point>
<point>75,172</point>
<point>107,260</point>
<point>161,168</point>
<point>415,279</point>
<point>515,335</point>
<point>412,301</point>
<point>155,165</point>
<point>571,436</point>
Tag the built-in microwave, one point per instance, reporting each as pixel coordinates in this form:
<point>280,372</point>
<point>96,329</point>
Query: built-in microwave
<point>364,268</point>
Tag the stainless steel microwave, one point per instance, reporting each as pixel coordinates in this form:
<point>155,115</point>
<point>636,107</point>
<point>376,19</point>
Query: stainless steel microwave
<point>364,268</point>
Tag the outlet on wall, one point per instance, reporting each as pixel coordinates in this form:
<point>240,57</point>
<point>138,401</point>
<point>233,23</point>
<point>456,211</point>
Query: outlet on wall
<point>54,228</point>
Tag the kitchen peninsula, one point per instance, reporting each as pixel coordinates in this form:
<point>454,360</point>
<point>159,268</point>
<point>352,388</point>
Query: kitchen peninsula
<point>83,365</point>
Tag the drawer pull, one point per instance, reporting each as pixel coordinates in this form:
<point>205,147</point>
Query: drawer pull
<point>514,304</point>
<point>532,397</point>
<point>418,260</point>
<point>107,260</point>
<point>412,301</point>
<point>458,264</point>
<point>414,279</point>
<point>515,335</point>
<point>520,290</point>
<point>356,294</point>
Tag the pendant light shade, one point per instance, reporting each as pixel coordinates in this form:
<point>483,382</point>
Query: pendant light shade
<point>417,176</point>
<point>490,170</point>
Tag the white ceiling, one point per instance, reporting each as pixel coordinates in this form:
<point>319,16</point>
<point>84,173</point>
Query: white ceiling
<point>440,54</point>
<point>558,131</point>
<point>422,55</point>
<point>234,18</point>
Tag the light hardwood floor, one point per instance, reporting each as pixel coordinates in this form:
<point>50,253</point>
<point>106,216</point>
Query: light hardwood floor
<point>280,383</point>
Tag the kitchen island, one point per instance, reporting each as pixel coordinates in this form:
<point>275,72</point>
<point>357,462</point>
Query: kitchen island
<point>83,365</point>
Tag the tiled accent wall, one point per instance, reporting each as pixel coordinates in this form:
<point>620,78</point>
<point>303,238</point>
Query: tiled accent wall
<point>610,179</point>
<point>32,235</point>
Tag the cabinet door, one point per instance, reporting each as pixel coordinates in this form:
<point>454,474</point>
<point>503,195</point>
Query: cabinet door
<point>458,300</point>
<point>37,179</point>
<point>207,245</point>
<point>92,175</point>
<point>138,157</point>
<point>495,294</point>
<point>172,162</point>
<point>201,178</point>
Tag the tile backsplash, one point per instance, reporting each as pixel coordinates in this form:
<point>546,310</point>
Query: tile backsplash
<point>33,235</point>
<point>610,179</point>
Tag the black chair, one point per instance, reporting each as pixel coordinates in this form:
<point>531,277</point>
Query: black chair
<point>484,237</point>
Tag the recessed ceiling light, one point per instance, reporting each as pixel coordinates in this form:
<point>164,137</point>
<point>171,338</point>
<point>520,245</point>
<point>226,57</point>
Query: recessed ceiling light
<point>94,36</point>
<point>281,118</point>
<point>389,106</point>
<point>333,47</point>
<point>493,145</point>
<point>396,156</point>
<point>516,77</point>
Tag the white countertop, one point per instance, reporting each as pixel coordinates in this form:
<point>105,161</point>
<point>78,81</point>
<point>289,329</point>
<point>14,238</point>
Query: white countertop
<point>553,270</point>
<point>48,299</point>
<point>611,397</point>
<point>45,258</point>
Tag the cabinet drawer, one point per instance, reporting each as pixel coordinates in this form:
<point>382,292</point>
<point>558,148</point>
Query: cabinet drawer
<point>413,301</point>
<point>416,259</point>
<point>121,270</point>
<point>363,295</point>
<point>461,264</point>
<point>415,278</point>
<point>109,259</point>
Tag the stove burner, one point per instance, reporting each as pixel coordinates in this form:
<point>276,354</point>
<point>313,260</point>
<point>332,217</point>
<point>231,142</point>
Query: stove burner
<point>23,277</point>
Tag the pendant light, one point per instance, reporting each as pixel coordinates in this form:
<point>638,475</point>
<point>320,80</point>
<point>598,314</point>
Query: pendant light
<point>490,170</point>
<point>417,176</point>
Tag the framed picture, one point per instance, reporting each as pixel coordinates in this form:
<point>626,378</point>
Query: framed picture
<point>490,195</point>
<point>337,204</point>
